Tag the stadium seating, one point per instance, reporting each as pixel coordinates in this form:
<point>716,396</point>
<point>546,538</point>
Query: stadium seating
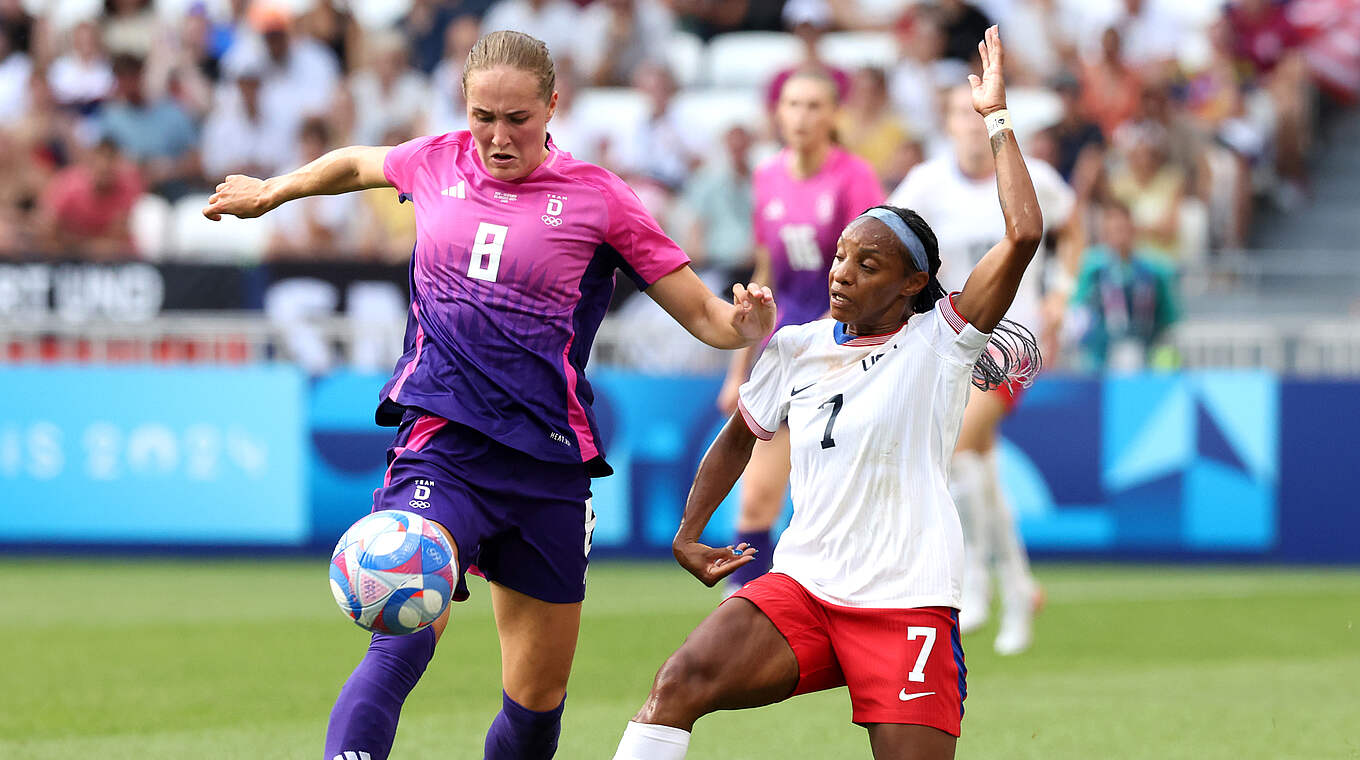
<point>685,56</point>
<point>750,59</point>
<point>192,236</point>
<point>608,112</point>
<point>713,111</point>
<point>853,50</point>
<point>150,223</point>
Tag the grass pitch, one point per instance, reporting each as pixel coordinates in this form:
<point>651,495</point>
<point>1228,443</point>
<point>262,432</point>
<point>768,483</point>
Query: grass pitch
<point>144,660</point>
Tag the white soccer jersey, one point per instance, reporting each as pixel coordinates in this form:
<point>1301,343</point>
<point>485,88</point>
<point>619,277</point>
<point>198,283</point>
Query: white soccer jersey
<point>965,216</point>
<point>873,423</point>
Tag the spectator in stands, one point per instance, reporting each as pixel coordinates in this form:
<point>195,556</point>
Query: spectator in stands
<point>718,197</point>
<point>1078,141</point>
<point>809,20</point>
<point>16,68</point>
<point>319,225</point>
<point>1150,186</point>
<point>1124,299</point>
<point>334,28</point>
<point>869,128</point>
<point>1267,44</point>
<point>24,182</point>
<point>299,74</point>
<point>553,21</point>
<point>922,72</point>
<point>82,78</point>
<point>1109,87</point>
<point>238,136</point>
<point>84,209</point>
<point>129,27</point>
<point>1049,35</point>
<point>157,134</point>
<point>387,93</point>
<point>964,24</point>
<point>448,111</point>
<point>708,18</point>
<point>616,37</point>
<point>1149,35</point>
<point>426,28</point>
<point>185,66</point>
<point>662,149</point>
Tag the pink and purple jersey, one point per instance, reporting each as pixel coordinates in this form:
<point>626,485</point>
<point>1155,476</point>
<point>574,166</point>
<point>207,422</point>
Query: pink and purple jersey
<point>509,282</point>
<point>800,220</point>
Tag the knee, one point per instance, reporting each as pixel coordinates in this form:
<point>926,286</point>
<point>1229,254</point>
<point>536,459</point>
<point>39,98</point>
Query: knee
<point>539,698</point>
<point>684,691</point>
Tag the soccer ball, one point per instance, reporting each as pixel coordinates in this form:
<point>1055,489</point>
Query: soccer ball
<point>392,572</point>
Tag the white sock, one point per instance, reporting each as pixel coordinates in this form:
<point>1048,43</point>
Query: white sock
<point>651,741</point>
<point>1014,579</point>
<point>968,486</point>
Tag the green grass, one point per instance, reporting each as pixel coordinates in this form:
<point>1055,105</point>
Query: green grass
<point>143,660</point>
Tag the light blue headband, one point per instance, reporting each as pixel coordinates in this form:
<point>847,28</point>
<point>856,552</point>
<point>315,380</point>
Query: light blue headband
<point>903,233</point>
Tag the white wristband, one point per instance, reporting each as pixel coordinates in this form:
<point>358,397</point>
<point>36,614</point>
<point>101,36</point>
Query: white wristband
<point>997,121</point>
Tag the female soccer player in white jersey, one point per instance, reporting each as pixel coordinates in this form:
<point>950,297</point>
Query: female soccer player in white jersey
<point>955,192</point>
<point>866,579</point>
<point>517,243</point>
<point>804,197</point>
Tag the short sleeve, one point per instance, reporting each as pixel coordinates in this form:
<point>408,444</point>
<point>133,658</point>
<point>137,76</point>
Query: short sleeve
<point>952,337</point>
<point>762,400</point>
<point>862,191</point>
<point>399,167</point>
<point>1056,198</point>
<point>646,253</point>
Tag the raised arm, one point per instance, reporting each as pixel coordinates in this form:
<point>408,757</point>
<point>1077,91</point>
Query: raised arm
<point>343,170</point>
<point>718,472</point>
<point>709,318</point>
<point>991,287</point>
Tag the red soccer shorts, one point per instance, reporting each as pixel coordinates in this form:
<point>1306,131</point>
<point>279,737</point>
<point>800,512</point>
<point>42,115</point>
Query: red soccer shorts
<point>901,665</point>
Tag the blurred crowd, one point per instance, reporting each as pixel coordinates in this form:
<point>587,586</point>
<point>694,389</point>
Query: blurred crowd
<point>1170,121</point>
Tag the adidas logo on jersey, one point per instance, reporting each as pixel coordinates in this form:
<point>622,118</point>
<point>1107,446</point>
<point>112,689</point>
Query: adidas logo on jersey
<point>351,755</point>
<point>456,191</point>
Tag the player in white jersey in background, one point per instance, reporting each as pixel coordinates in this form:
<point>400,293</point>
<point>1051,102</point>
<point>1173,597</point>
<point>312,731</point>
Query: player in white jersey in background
<point>868,576</point>
<point>956,193</point>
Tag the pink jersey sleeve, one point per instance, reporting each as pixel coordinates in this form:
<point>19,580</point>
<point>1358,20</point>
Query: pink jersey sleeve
<point>400,165</point>
<point>861,188</point>
<point>646,252</point>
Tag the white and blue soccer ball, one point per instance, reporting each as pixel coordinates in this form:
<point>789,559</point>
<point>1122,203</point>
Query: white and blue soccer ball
<point>393,572</point>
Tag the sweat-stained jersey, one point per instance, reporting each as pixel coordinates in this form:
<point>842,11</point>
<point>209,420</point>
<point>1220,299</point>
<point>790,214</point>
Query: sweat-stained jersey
<point>509,282</point>
<point>872,421</point>
<point>799,222</point>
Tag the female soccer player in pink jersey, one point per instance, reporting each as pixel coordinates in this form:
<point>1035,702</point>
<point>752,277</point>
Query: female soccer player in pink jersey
<point>517,243</point>
<point>867,579</point>
<point>804,197</point>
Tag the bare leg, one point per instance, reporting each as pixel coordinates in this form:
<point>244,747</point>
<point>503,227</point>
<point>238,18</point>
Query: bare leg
<point>968,484</point>
<point>735,659</point>
<point>897,741</point>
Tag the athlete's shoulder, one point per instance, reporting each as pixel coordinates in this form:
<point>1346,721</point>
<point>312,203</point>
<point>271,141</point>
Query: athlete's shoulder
<point>575,171</point>
<point>772,169</point>
<point>850,165</point>
<point>799,337</point>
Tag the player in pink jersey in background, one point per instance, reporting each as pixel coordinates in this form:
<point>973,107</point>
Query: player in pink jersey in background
<point>804,197</point>
<point>513,268</point>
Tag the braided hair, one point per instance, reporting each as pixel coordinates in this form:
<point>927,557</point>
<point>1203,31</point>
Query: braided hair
<point>1012,355</point>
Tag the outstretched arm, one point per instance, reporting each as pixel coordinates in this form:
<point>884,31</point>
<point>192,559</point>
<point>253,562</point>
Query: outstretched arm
<point>343,170</point>
<point>718,472</point>
<point>709,318</point>
<point>991,287</point>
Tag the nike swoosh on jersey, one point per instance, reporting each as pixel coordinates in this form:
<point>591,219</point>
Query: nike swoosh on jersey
<point>905,697</point>
<point>797,391</point>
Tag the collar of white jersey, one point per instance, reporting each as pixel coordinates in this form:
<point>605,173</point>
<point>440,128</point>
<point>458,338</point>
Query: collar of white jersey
<point>850,340</point>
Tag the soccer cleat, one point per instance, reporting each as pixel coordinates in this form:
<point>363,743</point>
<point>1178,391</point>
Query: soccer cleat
<point>1017,625</point>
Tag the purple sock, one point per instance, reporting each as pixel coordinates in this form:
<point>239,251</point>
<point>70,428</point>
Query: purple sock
<point>519,733</point>
<point>364,719</point>
<point>760,539</point>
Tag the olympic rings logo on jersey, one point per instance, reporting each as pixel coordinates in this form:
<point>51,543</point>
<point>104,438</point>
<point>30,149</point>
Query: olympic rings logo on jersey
<point>551,221</point>
<point>416,504</point>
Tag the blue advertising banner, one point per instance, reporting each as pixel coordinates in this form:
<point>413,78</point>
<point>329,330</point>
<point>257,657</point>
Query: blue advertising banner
<point>152,456</point>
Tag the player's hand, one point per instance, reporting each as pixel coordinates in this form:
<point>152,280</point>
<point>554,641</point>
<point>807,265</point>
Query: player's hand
<point>710,564</point>
<point>240,196</point>
<point>728,396</point>
<point>989,91</point>
<point>754,315</point>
